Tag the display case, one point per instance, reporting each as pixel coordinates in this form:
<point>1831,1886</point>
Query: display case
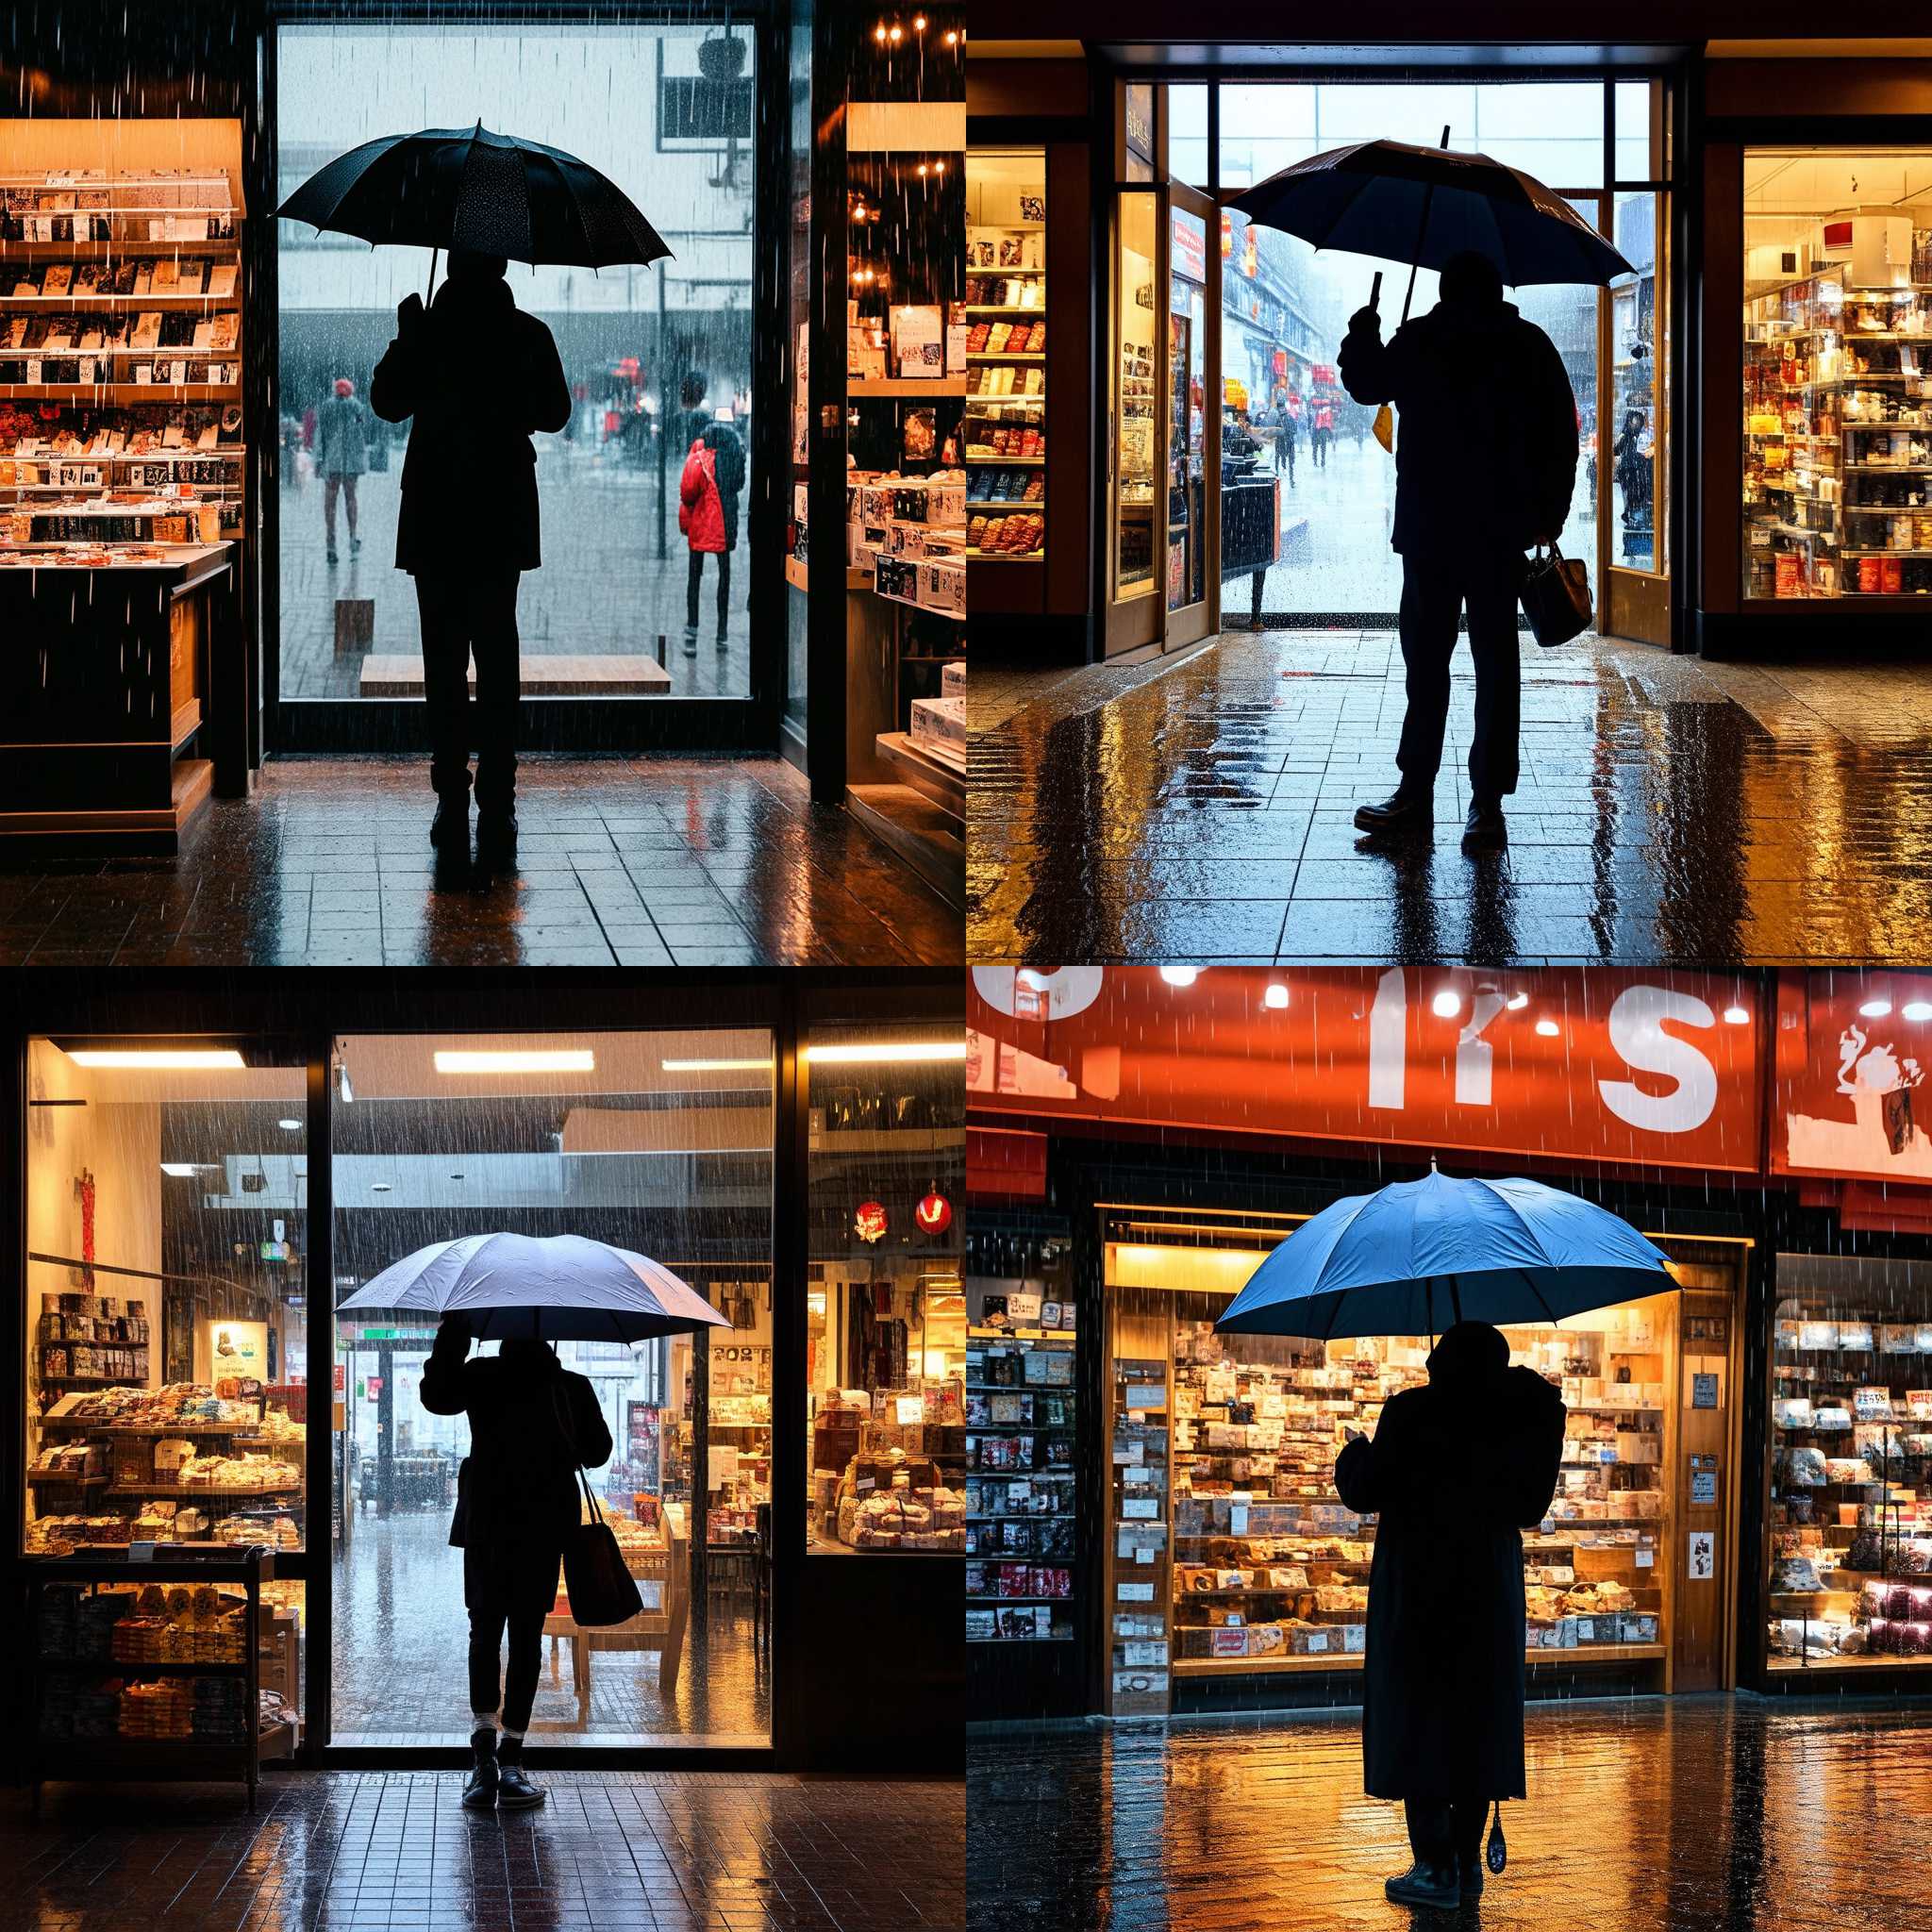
<point>1849,1555</point>
<point>1005,355</point>
<point>1838,378</point>
<point>1140,1565</point>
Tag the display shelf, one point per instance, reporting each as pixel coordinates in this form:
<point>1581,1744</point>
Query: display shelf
<point>938,388</point>
<point>1540,1656</point>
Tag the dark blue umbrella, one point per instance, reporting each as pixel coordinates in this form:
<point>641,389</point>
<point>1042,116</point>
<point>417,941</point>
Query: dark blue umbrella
<point>1419,1255</point>
<point>558,1288</point>
<point>468,188</point>
<point>1423,204</point>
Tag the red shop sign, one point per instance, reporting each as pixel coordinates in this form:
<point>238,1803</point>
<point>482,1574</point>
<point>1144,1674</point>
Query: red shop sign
<point>1849,1094</point>
<point>1607,1064</point>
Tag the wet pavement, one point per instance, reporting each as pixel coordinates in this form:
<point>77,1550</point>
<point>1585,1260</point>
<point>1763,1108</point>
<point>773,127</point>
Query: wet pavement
<point>1670,810</point>
<point>400,1629</point>
<point>627,863</point>
<point>1742,1814</point>
<point>643,1852</point>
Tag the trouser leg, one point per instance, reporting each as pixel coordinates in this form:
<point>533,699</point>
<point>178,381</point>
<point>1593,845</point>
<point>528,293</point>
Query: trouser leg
<point>519,1677</point>
<point>330,486</point>
<point>487,1618</point>
<point>1466,1825</point>
<point>348,484</point>
<point>1429,1835</point>
<point>442,605</point>
<point>499,688</point>
<point>694,577</point>
<point>1431,599</point>
<point>724,592</point>
<point>1494,644</point>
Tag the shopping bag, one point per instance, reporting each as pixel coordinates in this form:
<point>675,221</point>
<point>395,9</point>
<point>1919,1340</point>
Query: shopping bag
<point>597,1579</point>
<point>1556,597</point>
<point>1385,429</point>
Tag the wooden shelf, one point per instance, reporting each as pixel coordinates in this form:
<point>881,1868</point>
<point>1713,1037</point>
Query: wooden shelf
<point>942,388</point>
<point>59,304</point>
<point>1352,1661</point>
<point>162,393</point>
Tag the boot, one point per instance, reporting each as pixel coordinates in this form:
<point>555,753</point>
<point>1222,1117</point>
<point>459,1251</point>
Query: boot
<point>1405,811</point>
<point>496,837</point>
<point>1426,1882</point>
<point>1484,829</point>
<point>451,825</point>
<point>1469,1874</point>
<point>514,1791</point>
<point>479,1792</point>
<point>691,640</point>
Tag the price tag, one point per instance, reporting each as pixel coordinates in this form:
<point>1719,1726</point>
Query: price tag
<point>1646,1559</point>
<point>1146,1395</point>
<point>910,1408</point>
<point>863,1484</point>
<point>1134,1592</point>
<point>1238,1519</point>
<point>1318,1640</point>
<point>141,1552</point>
<point>86,369</point>
<point>1142,1508</point>
<point>33,369</point>
<point>1146,1556</point>
<point>1146,1653</point>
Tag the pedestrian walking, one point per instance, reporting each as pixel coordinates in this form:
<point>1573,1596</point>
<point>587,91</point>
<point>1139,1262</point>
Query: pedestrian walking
<point>1485,467</point>
<point>342,454</point>
<point>1323,434</point>
<point>478,377</point>
<point>1454,1472</point>
<point>532,1422</point>
<point>1285,428</point>
<point>707,495</point>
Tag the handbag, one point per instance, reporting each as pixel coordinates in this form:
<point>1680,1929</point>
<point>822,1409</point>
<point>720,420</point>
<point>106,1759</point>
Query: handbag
<point>601,1589</point>
<point>1556,597</point>
<point>1498,1853</point>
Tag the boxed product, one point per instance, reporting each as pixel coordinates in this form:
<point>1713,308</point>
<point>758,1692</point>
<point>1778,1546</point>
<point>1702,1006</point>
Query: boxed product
<point>939,725</point>
<point>896,577</point>
<point>953,678</point>
<point>943,585</point>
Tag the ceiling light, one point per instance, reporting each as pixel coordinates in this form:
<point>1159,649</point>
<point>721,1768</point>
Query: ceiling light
<point>1446,1003</point>
<point>1548,1028</point>
<point>1736,1016</point>
<point>1917,1009</point>
<point>290,1126</point>
<point>715,1066</point>
<point>180,1169</point>
<point>223,1057</point>
<point>1180,975</point>
<point>1517,1001</point>
<point>380,1188</point>
<point>1276,995</point>
<point>862,1050</point>
<point>489,1060</point>
<point>1875,1009</point>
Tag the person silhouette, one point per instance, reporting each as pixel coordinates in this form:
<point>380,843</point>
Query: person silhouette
<point>1453,1471</point>
<point>341,456</point>
<point>712,454</point>
<point>1485,465</point>
<point>531,1422</point>
<point>479,375</point>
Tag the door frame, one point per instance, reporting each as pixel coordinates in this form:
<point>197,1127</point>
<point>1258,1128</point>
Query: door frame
<point>1130,623</point>
<point>1189,622</point>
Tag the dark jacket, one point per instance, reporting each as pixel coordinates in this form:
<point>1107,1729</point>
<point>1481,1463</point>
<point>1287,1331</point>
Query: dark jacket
<point>1486,450</point>
<point>1454,1472</point>
<point>479,375</point>
<point>519,1482</point>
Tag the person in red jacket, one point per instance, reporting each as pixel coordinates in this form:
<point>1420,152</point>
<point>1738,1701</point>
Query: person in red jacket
<point>707,503</point>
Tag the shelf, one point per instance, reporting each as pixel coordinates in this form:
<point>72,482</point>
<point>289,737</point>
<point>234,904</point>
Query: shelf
<point>1038,310</point>
<point>1352,1659</point>
<point>1005,503</point>
<point>1005,355</point>
<point>62,304</point>
<point>173,1429</point>
<point>121,391</point>
<point>116,1667</point>
<point>162,1491</point>
<point>68,1482</point>
<point>1009,462</point>
<point>942,387</point>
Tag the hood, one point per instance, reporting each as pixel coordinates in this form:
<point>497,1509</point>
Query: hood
<point>1469,1352</point>
<point>527,1357</point>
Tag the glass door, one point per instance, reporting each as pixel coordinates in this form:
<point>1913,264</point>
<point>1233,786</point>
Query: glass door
<point>1136,455</point>
<point>1193,422</point>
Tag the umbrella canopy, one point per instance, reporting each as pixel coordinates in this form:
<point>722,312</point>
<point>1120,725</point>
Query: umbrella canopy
<point>558,1288</point>
<point>1424,205</point>
<point>468,188</point>
<point>1419,1255</point>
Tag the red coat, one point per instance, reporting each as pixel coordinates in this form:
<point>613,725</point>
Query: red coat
<point>700,509</point>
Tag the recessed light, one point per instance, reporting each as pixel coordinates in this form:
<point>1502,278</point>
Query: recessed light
<point>1276,996</point>
<point>715,1066</point>
<point>491,1061</point>
<point>224,1059</point>
<point>1875,1008</point>
<point>858,1052</point>
<point>1180,975</point>
<point>1517,1001</point>
<point>290,1126</point>
<point>1447,1004</point>
<point>1548,1028</point>
<point>1736,1016</point>
<point>1917,1009</point>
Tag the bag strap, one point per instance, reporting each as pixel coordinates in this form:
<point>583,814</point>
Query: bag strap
<point>570,1442</point>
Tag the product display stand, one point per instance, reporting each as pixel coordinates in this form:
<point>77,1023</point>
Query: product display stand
<point>151,1760</point>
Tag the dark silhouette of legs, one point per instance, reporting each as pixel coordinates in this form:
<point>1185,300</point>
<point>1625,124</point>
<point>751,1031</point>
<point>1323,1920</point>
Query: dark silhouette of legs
<point>487,1615</point>
<point>1491,594</point>
<point>462,614</point>
<point>1431,1879</point>
<point>499,687</point>
<point>331,487</point>
<point>526,1659</point>
<point>693,580</point>
<point>1431,603</point>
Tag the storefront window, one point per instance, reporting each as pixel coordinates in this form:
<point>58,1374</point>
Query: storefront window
<point>656,1143</point>
<point>167,1379</point>
<point>667,113</point>
<point>1187,135</point>
<point>1849,1531</point>
<point>1006,354</point>
<point>1136,392</point>
<point>1838,384</point>
<point>1638,388</point>
<point>1186,364</point>
<point>886,1302</point>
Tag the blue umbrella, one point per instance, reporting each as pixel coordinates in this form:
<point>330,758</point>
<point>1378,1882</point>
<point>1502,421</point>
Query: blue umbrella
<point>1419,1255</point>
<point>558,1288</point>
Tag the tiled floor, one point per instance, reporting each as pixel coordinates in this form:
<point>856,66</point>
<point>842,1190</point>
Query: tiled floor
<point>1669,811</point>
<point>399,1632</point>
<point>1643,1815</point>
<point>643,1852</point>
<point>620,862</point>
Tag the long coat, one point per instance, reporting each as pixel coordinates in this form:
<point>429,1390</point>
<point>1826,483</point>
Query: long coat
<point>1453,1471</point>
<point>341,436</point>
<point>519,1486</point>
<point>1486,453</point>
<point>479,375</point>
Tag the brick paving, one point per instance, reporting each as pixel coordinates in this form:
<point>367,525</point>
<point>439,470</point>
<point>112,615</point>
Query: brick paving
<point>1646,1815</point>
<point>627,863</point>
<point>639,1852</point>
<point>1669,811</point>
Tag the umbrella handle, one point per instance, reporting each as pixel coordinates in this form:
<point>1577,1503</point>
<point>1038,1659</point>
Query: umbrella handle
<point>430,292</point>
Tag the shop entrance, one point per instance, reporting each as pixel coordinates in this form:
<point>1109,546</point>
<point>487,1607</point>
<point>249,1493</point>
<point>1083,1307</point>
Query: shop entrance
<point>1284,426</point>
<point>1235,1579</point>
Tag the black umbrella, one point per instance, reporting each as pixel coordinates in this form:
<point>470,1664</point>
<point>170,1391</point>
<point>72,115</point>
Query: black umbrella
<point>1424,205</point>
<point>468,188</point>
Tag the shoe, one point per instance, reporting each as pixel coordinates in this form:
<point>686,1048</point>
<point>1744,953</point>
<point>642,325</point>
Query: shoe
<point>514,1790</point>
<point>691,640</point>
<point>1485,830</point>
<point>496,836</point>
<point>355,546</point>
<point>332,557</point>
<point>1405,811</point>
<point>451,823</point>
<point>722,640</point>
<point>479,1792</point>
<point>1425,1885</point>
<point>1469,1875</point>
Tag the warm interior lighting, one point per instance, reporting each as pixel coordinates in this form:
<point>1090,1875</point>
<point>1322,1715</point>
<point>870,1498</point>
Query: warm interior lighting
<point>716,1066</point>
<point>290,1126</point>
<point>1875,1008</point>
<point>899,1050</point>
<point>1517,1001</point>
<point>1180,975</point>
<point>573,1060</point>
<point>1736,1016</point>
<point>1548,1028</point>
<point>1446,1004</point>
<point>1276,996</point>
<point>223,1057</point>
<point>1917,1009</point>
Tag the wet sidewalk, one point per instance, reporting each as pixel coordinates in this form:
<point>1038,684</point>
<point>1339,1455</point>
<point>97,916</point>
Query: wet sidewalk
<point>1645,1816</point>
<point>643,1852</point>
<point>1670,810</point>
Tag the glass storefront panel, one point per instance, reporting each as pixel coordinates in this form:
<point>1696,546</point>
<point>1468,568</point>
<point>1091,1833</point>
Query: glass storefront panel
<point>1849,1531</point>
<point>657,1142</point>
<point>1838,372</point>
<point>1136,396</point>
<point>1639,387</point>
<point>1187,135</point>
<point>1187,362</point>
<point>1006,299</point>
<point>652,356</point>
<point>886,1301</point>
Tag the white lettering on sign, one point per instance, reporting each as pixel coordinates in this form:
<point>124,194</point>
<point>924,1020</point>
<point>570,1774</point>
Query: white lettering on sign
<point>1636,1024</point>
<point>1039,993</point>
<point>1389,1041</point>
<point>1475,1056</point>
